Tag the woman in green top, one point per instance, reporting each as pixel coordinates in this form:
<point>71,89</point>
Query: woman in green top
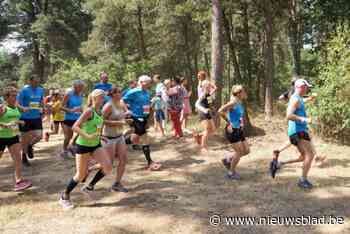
<point>88,126</point>
<point>9,135</point>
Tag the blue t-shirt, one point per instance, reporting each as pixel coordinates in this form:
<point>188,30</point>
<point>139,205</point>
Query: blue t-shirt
<point>73,102</point>
<point>32,98</point>
<point>297,126</point>
<point>104,86</point>
<point>125,91</point>
<point>138,101</point>
<point>235,115</point>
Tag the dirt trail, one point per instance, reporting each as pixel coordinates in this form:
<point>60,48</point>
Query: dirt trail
<point>181,197</point>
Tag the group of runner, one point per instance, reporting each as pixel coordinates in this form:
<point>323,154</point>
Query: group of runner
<point>115,118</point>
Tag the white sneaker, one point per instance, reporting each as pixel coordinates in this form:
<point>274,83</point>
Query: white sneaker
<point>66,203</point>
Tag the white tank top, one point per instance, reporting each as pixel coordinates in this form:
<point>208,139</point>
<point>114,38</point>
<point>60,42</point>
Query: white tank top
<point>116,115</point>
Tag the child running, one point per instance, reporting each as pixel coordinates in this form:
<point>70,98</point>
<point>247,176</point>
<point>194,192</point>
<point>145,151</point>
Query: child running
<point>175,104</point>
<point>233,114</point>
<point>57,114</point>
<point>186,111</point>
<point>9,136</point>
<point>88,126</point>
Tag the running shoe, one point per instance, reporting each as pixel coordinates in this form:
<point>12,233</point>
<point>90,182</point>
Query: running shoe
<point>22,185</point>
<point>65,203</point>
<point>226,163</point>
<point>233,176</point>
<point>88,191</point>
<point>274,166</point>
<point>118,187</point>
<point>25,161</point>
<point>64,154</point>
<point>30,151</point>
<point>305,184</point>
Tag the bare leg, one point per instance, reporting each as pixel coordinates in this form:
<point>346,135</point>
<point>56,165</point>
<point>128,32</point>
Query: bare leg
<point>15,151</point>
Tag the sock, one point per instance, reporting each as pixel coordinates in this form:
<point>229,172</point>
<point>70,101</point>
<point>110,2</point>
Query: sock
<point>147,152</point>
<point>99,175</point>
<point>70,186</point>
<point>302,179</point>
<point>128,140</point>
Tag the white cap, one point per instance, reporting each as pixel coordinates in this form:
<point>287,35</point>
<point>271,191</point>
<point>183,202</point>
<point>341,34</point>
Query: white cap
<point>145,78</point>
<point>301,82</point>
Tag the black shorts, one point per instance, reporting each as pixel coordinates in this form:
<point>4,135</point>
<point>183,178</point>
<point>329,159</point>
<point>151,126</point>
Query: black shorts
<point>7,142</point>
<point>69,123</point>
<point>297,137</point>
<point>140,125</point>
<point>57,122</point>
<point>204,116</point>
<point>31,125</point>
<point>235,136</point>
<point>160,116</point>
<point>81,149</point>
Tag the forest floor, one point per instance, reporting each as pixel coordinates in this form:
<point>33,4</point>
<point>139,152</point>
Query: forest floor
<point>184,194</point>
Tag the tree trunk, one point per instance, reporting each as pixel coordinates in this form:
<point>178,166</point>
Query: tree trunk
<point>247,53</point>
<point>141,33</point>
<point>295,35</point>
<point>217,52</point>
<point>232,48</point>
<point>269,59</point>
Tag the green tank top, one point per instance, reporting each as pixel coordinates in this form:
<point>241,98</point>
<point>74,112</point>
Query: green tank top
<point>94,125</point>
<point>10,116</point>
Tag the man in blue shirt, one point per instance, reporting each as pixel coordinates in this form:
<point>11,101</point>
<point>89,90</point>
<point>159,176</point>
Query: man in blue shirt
<point>138,101</point>
<point>30,100</point>
<point>104,85</point>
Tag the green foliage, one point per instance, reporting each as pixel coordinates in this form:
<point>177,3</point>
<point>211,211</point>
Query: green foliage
<point>8,67</point>
<point>332,109</point>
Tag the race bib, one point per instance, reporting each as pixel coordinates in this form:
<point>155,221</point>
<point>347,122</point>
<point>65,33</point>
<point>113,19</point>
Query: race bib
<point>34,105</point>
<point>210,100</point>
<point>99,129</point>
<point>146,109</point>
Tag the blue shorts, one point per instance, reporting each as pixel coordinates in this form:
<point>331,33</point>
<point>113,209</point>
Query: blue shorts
<point>160,115</point>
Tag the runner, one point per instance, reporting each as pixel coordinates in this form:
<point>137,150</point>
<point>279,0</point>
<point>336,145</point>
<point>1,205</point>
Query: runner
<point>186,111</point>
<point>104,85</point>
<point>47,110</point>
<point>202,77</point>
<point>233,114</point>
<point>138,102</point>
<point>204,107</point>
<point>298,130</point>
<point>72,106</point>
<point>175,104</point>
<point>30,99</point>
<point>114,113</point>
<point>9,135</point>
<point>158,106</point>
<point>57,114</point>
<point>88,126</point>
<point>274,164</point>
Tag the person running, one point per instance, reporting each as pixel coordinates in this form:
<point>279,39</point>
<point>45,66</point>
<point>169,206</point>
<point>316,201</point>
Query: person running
<point>202,77</point>
<point>88,127</point>
<point>9,135</point>
<point>30,99</point>
<point>72,106</point>
<point>233,113</point>
<point>275,165</point>
<point>204,106</point>
<point>175,104</point>
<point>104,85</point>
<point>158,106</point>
<point>138,103</point>
<point>186,111</point>
<point>298,130</point>
<point>113,141</point>
<point>57,114</point>
<point>47,110</point>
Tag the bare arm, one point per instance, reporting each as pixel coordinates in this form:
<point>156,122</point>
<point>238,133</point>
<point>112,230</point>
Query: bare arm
<point>199,106</point>
<point>224,108</point>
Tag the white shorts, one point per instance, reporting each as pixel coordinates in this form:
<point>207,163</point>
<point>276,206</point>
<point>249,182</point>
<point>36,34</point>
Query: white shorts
<point>113,140</point>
